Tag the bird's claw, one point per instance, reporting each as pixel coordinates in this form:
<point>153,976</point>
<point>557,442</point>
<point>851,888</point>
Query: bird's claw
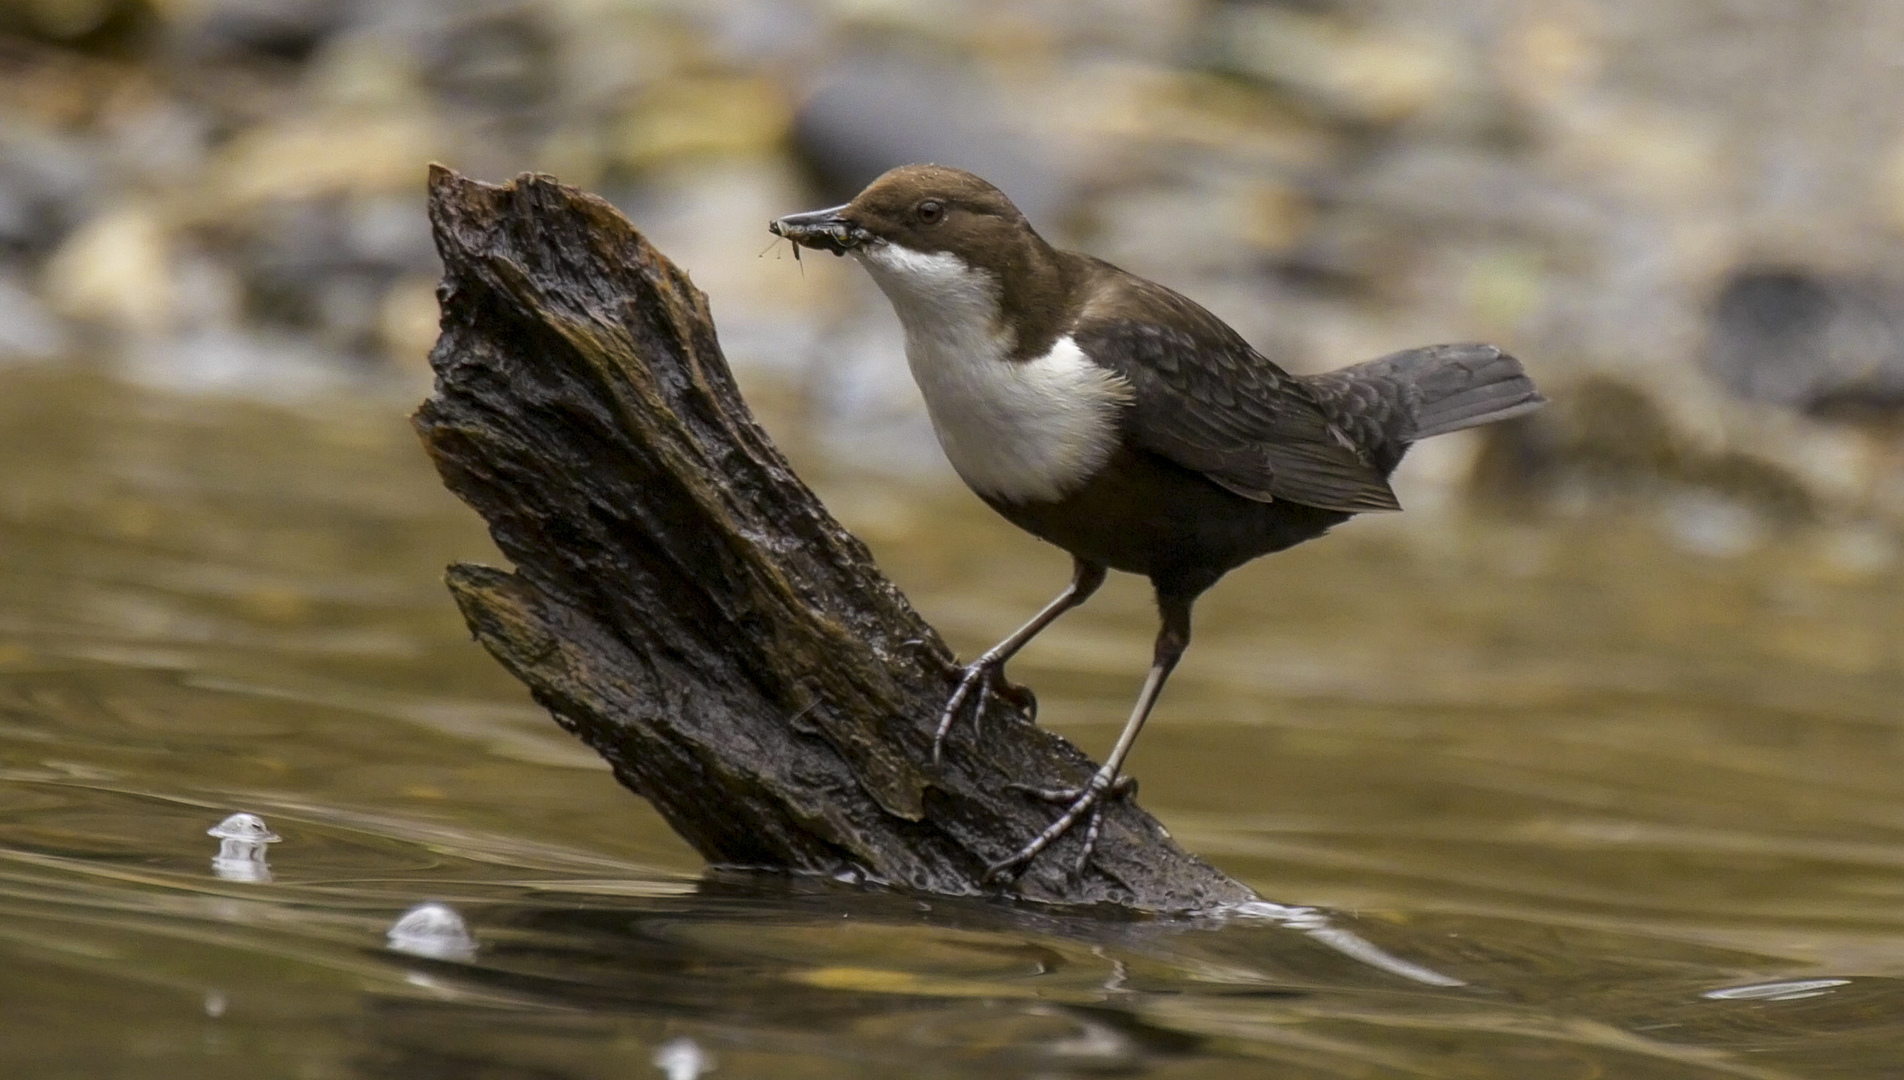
<point>1087,799</point>
<point>978,679</point>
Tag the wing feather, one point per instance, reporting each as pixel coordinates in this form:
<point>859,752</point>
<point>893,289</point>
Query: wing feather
<point>1203,398</point>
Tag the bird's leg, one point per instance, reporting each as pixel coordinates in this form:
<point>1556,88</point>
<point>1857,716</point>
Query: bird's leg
<point>1172,639</point>
<point>986,674</point>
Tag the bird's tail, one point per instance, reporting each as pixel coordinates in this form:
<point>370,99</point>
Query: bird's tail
<point>1411,395</point>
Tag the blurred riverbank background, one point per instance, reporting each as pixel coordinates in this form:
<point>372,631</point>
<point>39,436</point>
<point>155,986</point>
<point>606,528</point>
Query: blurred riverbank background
<point>1687,217</point>
<point>1605,726</point>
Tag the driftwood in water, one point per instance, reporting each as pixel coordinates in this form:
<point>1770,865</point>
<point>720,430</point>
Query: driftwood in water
<point>686,606</point>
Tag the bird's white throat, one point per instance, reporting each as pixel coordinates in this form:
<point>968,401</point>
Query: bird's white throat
<point>1016,430</point>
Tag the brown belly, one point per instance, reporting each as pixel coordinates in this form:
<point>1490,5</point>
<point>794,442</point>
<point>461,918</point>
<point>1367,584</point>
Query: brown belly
<point>1146,515</point>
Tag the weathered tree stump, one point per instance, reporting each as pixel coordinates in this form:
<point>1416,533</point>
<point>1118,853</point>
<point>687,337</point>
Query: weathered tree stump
<point>685,605</point>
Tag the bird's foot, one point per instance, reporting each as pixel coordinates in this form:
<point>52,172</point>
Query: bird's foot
<point>1087,800</point>
<point>977,680</point>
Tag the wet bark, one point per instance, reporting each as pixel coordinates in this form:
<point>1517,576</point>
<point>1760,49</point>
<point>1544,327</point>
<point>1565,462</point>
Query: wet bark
<point>686,606</point>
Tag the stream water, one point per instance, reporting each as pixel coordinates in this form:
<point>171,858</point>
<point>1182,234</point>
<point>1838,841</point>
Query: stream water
<point>1563,800</point>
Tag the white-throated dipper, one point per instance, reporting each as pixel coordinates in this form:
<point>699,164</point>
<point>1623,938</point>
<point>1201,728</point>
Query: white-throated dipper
<point>1124,423</point>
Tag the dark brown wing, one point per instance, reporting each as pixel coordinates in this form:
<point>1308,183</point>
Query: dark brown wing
<point>1207,401</point>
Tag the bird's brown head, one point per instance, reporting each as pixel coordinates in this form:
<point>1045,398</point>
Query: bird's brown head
<point>923,208</point>
<point>934,236</point>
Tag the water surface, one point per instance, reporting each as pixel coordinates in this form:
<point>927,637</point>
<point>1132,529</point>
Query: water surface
<point>1545,800</point>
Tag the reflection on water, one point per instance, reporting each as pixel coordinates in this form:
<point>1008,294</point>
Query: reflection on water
<point>682,1059</point>
<point>1779,991</point>
<point>1567,800</point>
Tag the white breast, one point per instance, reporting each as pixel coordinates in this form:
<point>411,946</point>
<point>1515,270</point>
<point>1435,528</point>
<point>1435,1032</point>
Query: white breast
<point>1016,430</point>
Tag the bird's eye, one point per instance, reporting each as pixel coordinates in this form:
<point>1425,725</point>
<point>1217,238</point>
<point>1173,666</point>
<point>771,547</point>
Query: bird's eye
<point>930,212</point>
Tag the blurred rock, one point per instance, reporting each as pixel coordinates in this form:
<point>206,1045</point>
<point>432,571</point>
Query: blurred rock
<point>1363,72</point>
<point>322,266</point>
<point>407,321</point>
<point>53,88</point>
<point>388,229</point>
<point>871,114</point>
<point>107,25</point>
<point>28,331</point>
<point>1888,187</point>
<point>1603,442</point>
<point>762,30</point>
<point>1550,56</point>
<point>1716,527</point>
<point>153,141</point>
<point>706,117</point>
<point>499,58</point>
<point>320,156</point>
<point>367,69</point>
<point>1859,550</point>
<point>1184,229</point>
<point>1823,344</point>
<point>49,184</point>
<point>1461,189</point>
<point>206,291</point>
<point>1123,117</point>
<point>284,30</point>
<point>116,270</point>
<point>1642,151</point>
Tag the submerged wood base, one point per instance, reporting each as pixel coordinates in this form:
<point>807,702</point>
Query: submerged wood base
<point>684,605</point>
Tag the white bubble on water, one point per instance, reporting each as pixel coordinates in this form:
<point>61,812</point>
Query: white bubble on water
<point>433,930</point>
<point>241,826</point>
<point>241,848</point>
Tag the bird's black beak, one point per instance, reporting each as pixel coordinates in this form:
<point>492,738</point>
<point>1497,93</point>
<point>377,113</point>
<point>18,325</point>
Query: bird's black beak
<point>827,230</point>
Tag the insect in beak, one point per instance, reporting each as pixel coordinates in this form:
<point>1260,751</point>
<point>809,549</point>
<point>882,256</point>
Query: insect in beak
<point>826,230</point>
